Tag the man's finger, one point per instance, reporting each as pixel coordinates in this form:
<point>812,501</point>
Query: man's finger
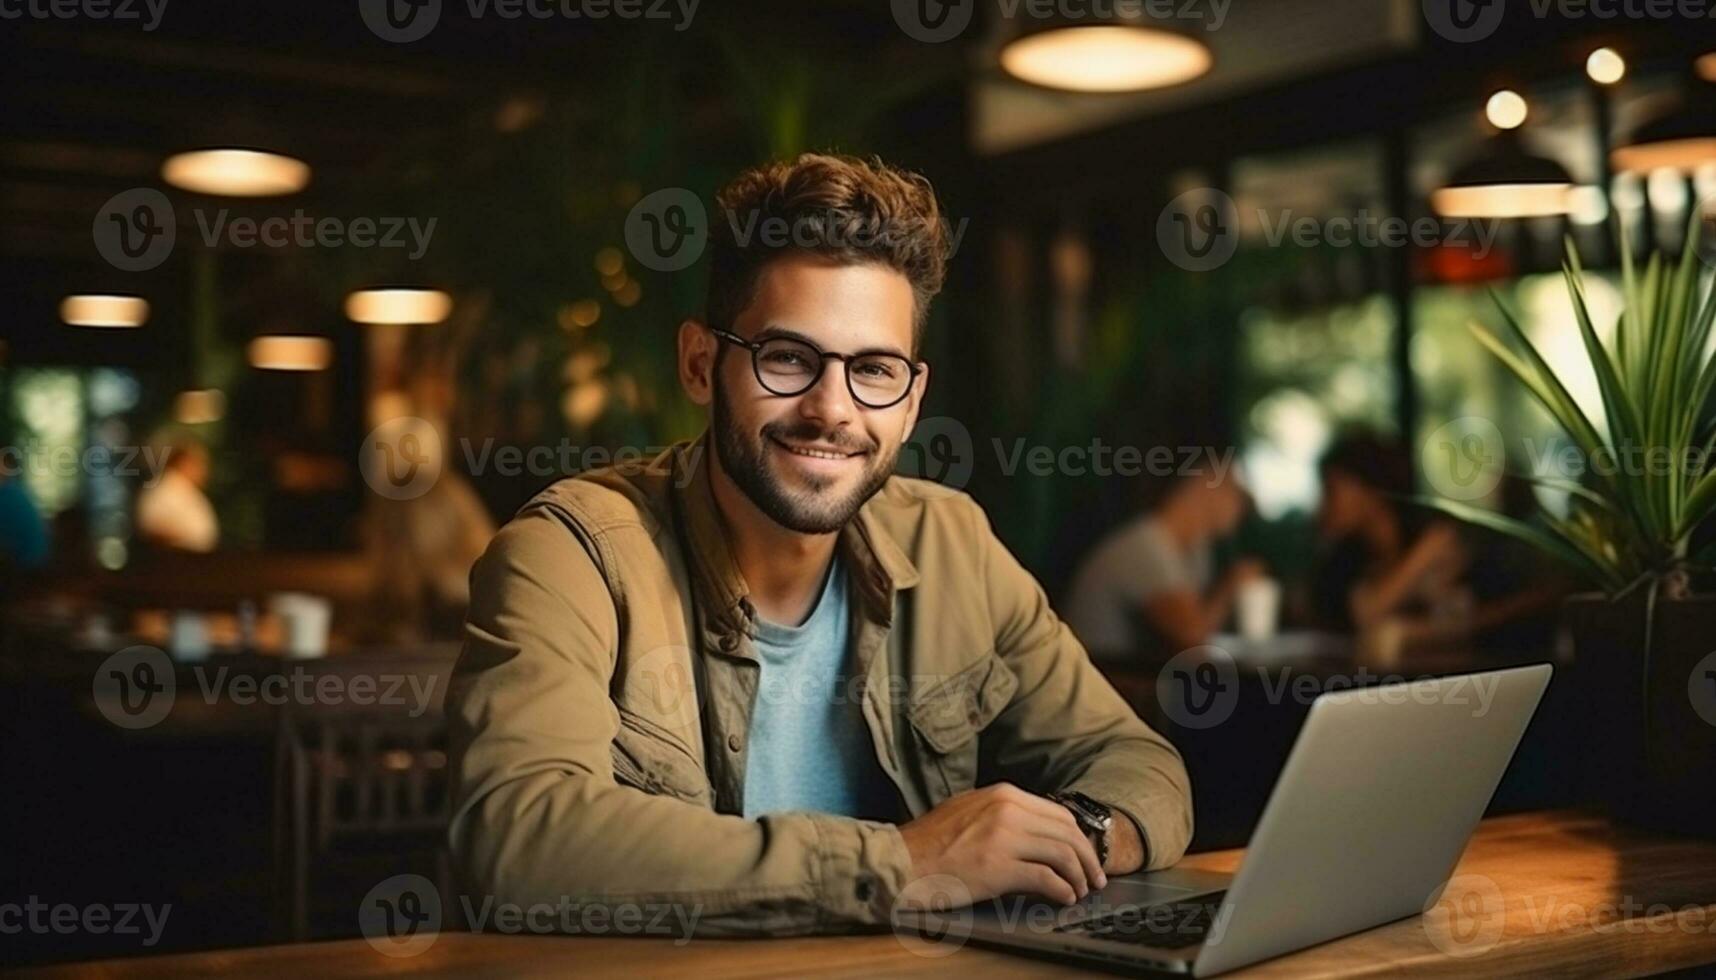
<point>1068,832</point>
<point>1058,855</point>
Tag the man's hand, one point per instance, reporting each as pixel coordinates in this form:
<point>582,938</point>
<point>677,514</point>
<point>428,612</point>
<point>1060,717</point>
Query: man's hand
<point>1001,839</point>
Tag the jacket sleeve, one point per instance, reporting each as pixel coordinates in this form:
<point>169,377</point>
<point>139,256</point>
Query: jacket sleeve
<point>1066,727</point>
<point>538,817</point>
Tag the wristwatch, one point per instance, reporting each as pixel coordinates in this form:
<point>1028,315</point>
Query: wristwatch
<point>1094,818</point>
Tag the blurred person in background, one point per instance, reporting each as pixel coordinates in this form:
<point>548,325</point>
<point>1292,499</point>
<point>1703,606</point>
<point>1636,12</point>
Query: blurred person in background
<point>24,544</point>
<point>1377,559</point>
<point>1148,584</point>
<point>173,512</point>
<point>422,547</point>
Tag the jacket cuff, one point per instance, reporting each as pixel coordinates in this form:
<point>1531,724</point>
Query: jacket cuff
<point>1164,826</point>
<point>862,868</point>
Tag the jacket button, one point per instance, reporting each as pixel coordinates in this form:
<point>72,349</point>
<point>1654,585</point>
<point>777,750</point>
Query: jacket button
<point>972,716</point>
<point>865,890</point>
<point>733,743</point>
<point>729,643</point>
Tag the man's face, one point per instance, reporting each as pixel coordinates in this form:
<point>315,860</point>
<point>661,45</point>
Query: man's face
<point>809,461</point>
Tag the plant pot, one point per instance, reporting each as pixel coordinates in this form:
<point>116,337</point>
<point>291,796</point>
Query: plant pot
<point>1650,733</point>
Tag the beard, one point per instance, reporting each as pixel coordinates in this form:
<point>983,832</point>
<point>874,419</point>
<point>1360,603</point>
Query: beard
<point>816,510</point>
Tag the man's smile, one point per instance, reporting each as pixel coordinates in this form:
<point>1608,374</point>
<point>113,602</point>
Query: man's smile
<point>818,456</point>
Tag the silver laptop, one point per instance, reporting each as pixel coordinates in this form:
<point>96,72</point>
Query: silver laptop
<point>1371,813</point>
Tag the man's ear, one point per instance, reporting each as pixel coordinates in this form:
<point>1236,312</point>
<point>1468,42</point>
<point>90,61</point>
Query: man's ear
<point>698,348</point>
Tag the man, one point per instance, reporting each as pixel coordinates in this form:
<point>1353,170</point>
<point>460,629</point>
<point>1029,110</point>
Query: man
<point>763,679</point>
<point>1149,582</point>
<point>173,512</point>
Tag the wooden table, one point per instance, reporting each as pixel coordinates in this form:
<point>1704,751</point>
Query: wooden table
<point>1559,893</point>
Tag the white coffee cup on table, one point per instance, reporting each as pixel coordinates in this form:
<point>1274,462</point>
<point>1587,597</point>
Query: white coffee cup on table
<point>305,618</point>
<point>1257,607</point>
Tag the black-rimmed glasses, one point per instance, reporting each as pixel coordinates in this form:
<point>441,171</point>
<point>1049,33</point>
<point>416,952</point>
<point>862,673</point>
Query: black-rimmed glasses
<point>787,367</point>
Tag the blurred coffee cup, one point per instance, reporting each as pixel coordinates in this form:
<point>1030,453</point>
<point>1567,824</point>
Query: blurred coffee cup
<point>305,620</point>
<point>1257,607</point>
<point>188,637</point>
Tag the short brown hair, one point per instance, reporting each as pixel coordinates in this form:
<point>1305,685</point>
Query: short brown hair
<point>850,210</point>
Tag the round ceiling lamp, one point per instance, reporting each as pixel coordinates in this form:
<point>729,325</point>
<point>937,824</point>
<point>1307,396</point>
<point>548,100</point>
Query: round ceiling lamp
<point>233,172</point>
<point>1605,66</point>
<point>282,352</point>
<point>1504,179</point>
<point>1105,57</point>
<point>102,310</point>
<point>1681,138</point>
<point>402,306</point>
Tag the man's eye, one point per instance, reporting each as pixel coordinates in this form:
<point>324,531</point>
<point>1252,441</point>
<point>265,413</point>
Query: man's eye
<point>877,370</point>
<point>784,359</point>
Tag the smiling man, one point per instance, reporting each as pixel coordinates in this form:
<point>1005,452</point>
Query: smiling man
<point>762,677</point>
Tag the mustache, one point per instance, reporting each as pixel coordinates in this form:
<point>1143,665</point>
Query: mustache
<point>805,431</point>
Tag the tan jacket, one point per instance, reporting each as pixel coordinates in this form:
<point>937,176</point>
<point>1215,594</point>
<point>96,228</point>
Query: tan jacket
<point>600,709</point>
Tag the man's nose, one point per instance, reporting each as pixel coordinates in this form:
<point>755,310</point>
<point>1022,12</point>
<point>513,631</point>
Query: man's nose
<point>829,400</point>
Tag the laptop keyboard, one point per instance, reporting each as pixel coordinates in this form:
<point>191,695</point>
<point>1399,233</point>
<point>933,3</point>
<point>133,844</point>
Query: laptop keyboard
<point>1171,925</point>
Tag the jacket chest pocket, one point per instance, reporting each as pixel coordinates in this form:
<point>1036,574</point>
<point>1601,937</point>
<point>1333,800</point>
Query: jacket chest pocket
<point>948,716</point>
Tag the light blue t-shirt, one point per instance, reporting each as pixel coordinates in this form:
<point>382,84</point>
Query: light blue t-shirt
<point>810,748</point>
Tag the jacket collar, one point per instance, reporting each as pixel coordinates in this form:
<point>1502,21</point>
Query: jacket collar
<point>875,561</point>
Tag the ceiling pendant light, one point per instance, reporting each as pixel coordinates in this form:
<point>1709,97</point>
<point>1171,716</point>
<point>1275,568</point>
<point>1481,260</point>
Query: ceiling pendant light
<point>398,306</point>
<point>288,352</point>
<point>235,172</point>
<point>103,310</point>
<point>1104,55</point>
<point>1681,138</point>
<point>1504,179</point>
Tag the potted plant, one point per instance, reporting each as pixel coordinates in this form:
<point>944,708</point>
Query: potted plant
<point>1644,665</point>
